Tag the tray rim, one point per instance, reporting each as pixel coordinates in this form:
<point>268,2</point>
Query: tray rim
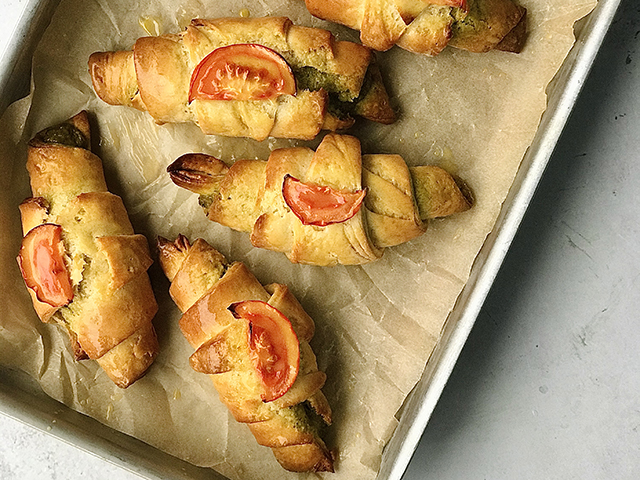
<point>560,102</point>
<point>107,443</point>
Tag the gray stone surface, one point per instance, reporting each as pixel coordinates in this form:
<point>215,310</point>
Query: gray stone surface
<point>548,385</point>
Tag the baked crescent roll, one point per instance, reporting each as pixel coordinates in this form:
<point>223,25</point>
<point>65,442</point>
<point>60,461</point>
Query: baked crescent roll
<point>246,77</point>
<point>254,343</point>
<point>428,26</point>
<point>83,265</point>
<point>331,206</point>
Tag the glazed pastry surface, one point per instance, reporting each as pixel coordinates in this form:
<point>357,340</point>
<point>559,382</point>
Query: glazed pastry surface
<point>428,26</point>
<point>336,80</point>
<point>109,315</point>
<point>250,196</point>
<point>205,288</point>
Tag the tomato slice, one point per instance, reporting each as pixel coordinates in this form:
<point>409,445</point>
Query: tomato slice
<point>457,3</point>
<point>449,3</point>
<point>42,265</point>
<point>274,347</point>
<point>242,72</point>
<point>320,205</point>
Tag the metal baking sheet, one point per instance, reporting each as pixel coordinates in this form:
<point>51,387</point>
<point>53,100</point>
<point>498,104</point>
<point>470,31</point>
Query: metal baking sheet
<point>21,398</point>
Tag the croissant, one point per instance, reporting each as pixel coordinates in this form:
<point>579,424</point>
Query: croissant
<point>83,265</point>
<point>331,206</point>
<point>428,26</point>
<point>246,77</point>
<point>254,343</point>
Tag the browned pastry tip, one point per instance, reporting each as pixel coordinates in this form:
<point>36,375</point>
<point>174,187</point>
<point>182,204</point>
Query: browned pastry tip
<point>438,193</point>
<point>487,24</point>
<point>515,40</point>
<point>197,173</point>
<point>113,76</point>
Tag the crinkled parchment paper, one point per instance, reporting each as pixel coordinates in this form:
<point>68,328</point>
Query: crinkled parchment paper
<point>474,114</point>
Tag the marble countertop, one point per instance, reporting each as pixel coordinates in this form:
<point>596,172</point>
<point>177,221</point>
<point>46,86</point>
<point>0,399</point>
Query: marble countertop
<point>548,384</point>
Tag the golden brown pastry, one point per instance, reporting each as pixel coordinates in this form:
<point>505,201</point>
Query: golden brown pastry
<point>83,265</point>
<point>246,77</point>
<point>254,343</point>
<point>331,206</point>
<point>428,26</point>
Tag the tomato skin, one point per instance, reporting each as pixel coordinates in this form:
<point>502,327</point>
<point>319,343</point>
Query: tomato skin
<point>457,3</point>
<point>273,345</point>
<point>42,265</point>
<point>320,205</point>
<point>242,72</point>
<point>462,4</point>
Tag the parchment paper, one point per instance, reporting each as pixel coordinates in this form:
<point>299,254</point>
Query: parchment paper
<point>473,114</point>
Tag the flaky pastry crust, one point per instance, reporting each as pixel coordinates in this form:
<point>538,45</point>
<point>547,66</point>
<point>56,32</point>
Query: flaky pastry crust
<point>248,196</point>
<point>428,26</point>
<point>336,80</point>
<point>204,286</point>
<point>110,316</point>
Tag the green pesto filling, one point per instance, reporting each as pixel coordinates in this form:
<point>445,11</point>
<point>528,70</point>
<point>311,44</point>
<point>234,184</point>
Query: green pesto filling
<point>64,134</point>
<point>304,418</point>
<point>341,102</point>
<point>315,422</point>
<point>340,109</point>
<point>310,78</point>
<point>465,22</point>
<point>205,201</point>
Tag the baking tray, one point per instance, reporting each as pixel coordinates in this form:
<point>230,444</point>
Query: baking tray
<point>22,399</point>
